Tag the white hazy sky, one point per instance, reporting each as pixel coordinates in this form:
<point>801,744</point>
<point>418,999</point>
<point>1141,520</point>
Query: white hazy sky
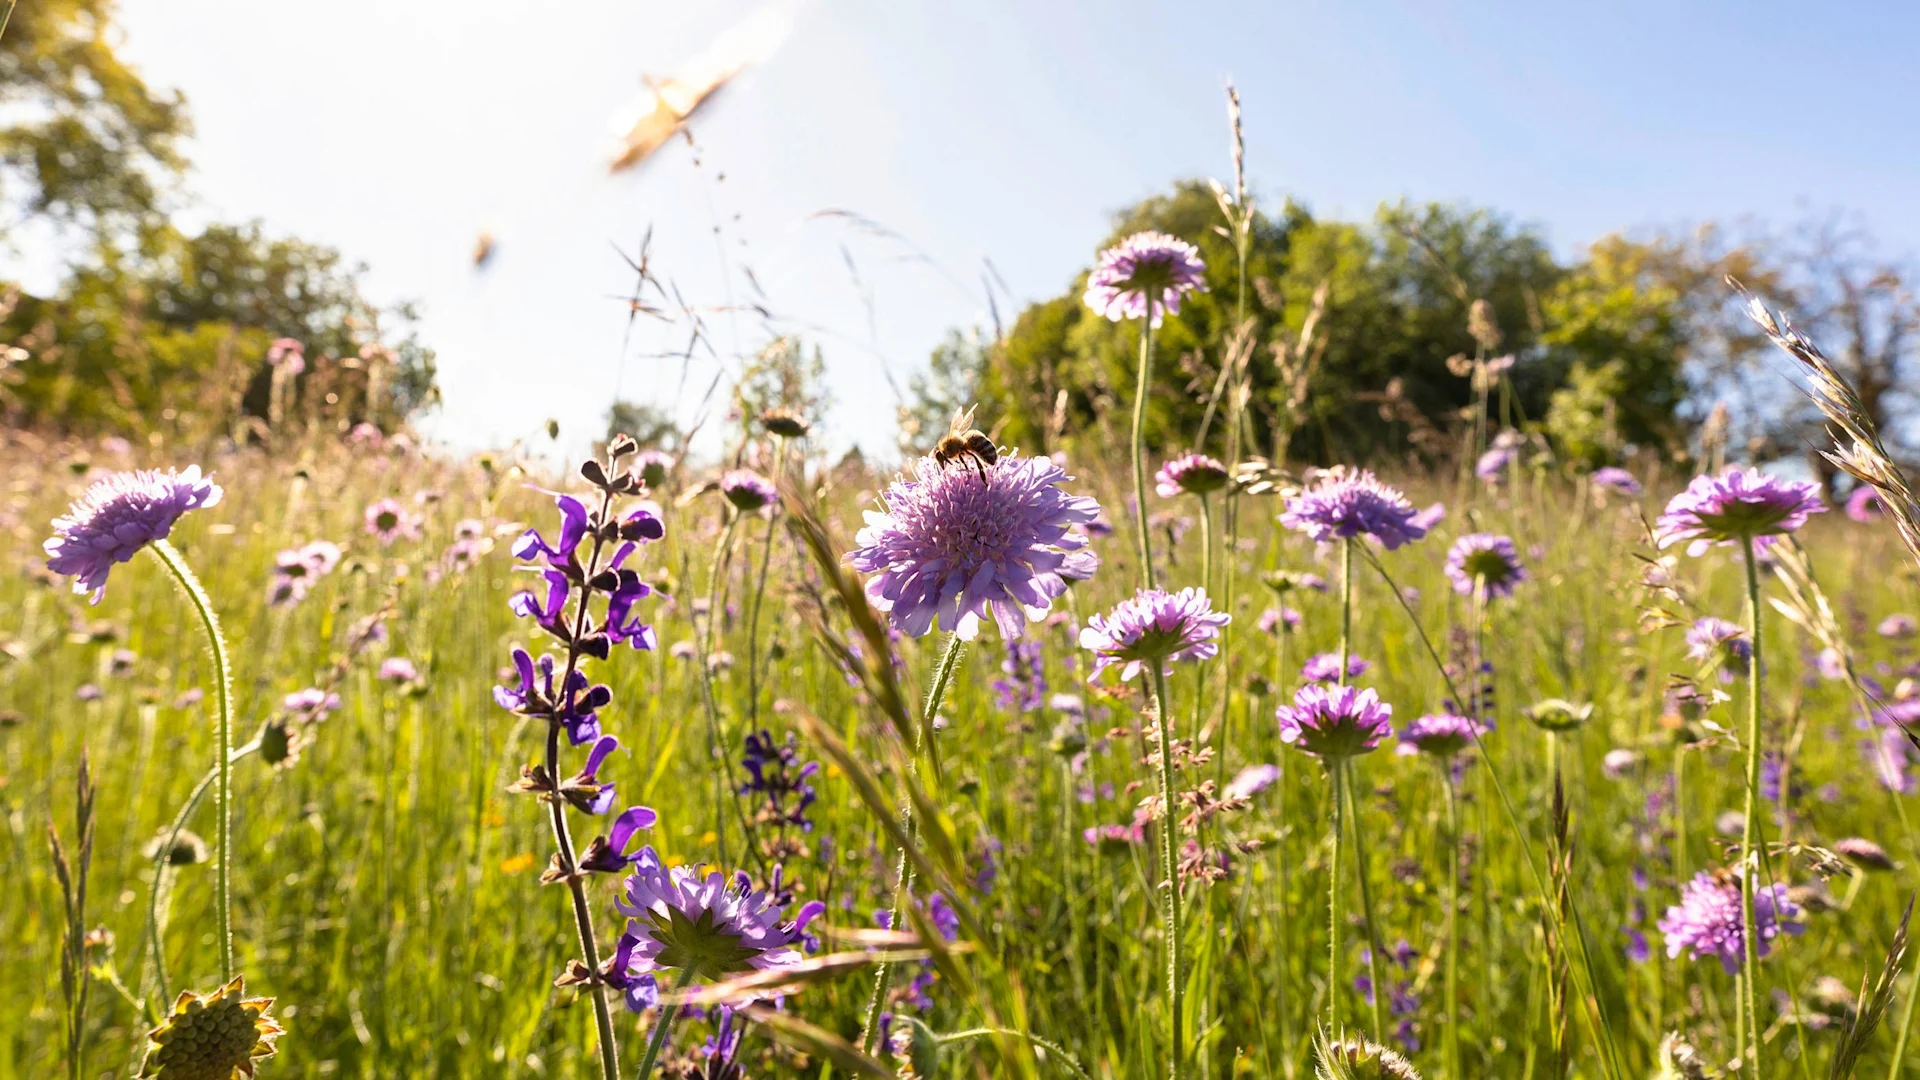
<point>1003,129</point>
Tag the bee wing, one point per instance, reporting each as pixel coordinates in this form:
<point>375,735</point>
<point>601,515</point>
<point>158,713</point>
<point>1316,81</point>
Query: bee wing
<point>962,420</point>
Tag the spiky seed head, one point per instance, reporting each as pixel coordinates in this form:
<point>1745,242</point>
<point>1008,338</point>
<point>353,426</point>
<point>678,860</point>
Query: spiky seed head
<point>215,1036</point>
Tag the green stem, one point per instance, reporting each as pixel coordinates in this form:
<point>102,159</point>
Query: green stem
<point>903,873</point>
<point>1333,904</point>
<point>1142,386</point>
<point>222,763</point>
<point>1346,605</point>
<point>163,994</point>
<point>662,1026</point>
<point>1750,834</point>
<point>1170,866</point>
<point>1071,1063</point>
<point>1906,1028</point>
<point>1366,900</point>
<point>1452,925</point>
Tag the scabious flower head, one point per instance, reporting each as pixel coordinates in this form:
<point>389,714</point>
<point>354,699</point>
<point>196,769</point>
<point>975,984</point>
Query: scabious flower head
<point>1116,839</point>
<point>312,701</point>
<point>1357,1059</point>
<point>1706,922</point>
<point>747,490</point>
<point>1720,643</point>
<point>1275,620</point>
<point>1736,506</point>
<point>398,669</point>
<point>1154,627</point>
<point>1325,668</point>
<point>213,1036</point>
<point>1335,721</point>
<point>1343,503</point>
<point>1192,473</point>
<point>1620,762</point>
<point>117,516</point>
<point>1440,735</point>
<point>1145,268</point>
<point>1493,464</point>
<point>1252,780</point>
<point>388,521</point>
<point>689,918</point>
<point>1864,852</point>
<point>1863,504</point>
<point>1897,626</point>
<point>1487,561</point>
<point>1615,478</point>
<point>956,549</point>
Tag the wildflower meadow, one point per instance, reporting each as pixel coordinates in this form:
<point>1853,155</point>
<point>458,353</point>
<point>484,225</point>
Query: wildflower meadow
<point>1198,738</point>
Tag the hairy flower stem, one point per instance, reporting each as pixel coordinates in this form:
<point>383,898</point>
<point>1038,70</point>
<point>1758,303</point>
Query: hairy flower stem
<point>1346,606</point>
<point>1750,834</point>
<point>563,841</point>
<point>222,762</point>
<point>1142,386</point>
<point>903,873</point>
<point>1334,914</point>
<point>163,994</point>
<point>662,1026</point>
<point>1366,900</point>
<point>1170,866</point>
<point>1452,924</point>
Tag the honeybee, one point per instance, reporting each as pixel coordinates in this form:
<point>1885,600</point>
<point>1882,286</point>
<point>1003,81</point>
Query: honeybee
<point>963,440</point>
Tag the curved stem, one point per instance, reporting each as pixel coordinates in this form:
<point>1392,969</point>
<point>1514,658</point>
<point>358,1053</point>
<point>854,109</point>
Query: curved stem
<point>1366,901</point>
<point>1170,866</point>
<point>668,1013</point>
<point>163,994</point>
<point>1333,903</point>
<point>903,874</point>
<point>1750,834</point>
<point>1142,386</point>
<point>222,762</point>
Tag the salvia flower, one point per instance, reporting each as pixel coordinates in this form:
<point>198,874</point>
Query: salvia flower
<point>1440,735</point>
<point>388,521</point>
<point>1325,668</point>
<point>213,1036</point>
<point>1720,643</point>
<point>119,515</point>
<point>1344,503</point>
<point>1734,507</point>
<point>1707,923</point>
<point>780,779</point>
<point>747,490</point>
<point>1335,721</point>
<point>1191,473</point>
<point>955,549</point>
<point>1486,561</point>
<point>1615,478</point>
<point>1147,268</point>
<point>1154,627</point>
<point>689,918</point>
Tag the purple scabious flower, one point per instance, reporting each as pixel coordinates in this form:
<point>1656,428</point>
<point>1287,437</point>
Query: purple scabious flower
<point>1279,619</point>
<point>1897,626</point>
<point>388,521</point>
<point>747,490</point>
<point>1734,507</point>
<point>1191,473</point>
<point>398,669</point>
<point>689,918</point>
<point>1615,478</point>
<point>1440,735</point>
<point>1343,503</point>
<point>1335,721</point>
<point>1146,269</point>
<point>1723,644</point>
<point>1487,561</point>
<point>1116,839</point>
<point>956,549</point>
<point>1863,504</point>
<point>1863,852</point>
<point>312,701</point>
<point>1325,668</point>
<point>1493,464</point>
<point>1154,627</point>
<point>117,516</point>
<point>652,467</point>
<point>1890,756</point>
<point>1706,922</point>
<point>1251,781</point>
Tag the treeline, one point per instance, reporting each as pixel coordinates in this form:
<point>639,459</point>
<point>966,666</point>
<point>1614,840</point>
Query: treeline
<point>1373,341</point>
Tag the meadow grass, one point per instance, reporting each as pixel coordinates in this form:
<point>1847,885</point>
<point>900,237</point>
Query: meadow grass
<point>386,887</point>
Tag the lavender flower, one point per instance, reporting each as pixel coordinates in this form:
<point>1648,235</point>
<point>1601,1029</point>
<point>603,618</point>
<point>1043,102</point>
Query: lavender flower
<point>1325,668</point>
<point>953,548</point>
<point>1706,922</point>
<point>747,490</point>
<point>1192,473</point>
<point>1864,505</point>
<point>1335,721</point>
<point>117,516</point>
<point>1154,627</point>
<point>1344,503</point>
<point>1485,561</point>
<point>1734,507</point>
<point>1440,735</point>
<point>1615,478</point>
<point>1723,644</point>
<point>1146,269</point>
<point>690,919</point>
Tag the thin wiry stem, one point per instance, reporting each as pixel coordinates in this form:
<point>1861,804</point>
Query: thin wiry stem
<point>1143,385</point>
<point>1366,902</point>
<point>1334,914</point>
<point>662,1026</point>
<point>222,762</point>
<point>1170,866</point>
<point>1750,833</point>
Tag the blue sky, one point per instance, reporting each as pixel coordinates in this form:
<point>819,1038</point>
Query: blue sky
<point>995,129</point>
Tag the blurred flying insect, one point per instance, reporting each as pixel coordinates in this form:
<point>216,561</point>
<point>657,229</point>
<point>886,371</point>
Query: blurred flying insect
<point>963,440</point>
